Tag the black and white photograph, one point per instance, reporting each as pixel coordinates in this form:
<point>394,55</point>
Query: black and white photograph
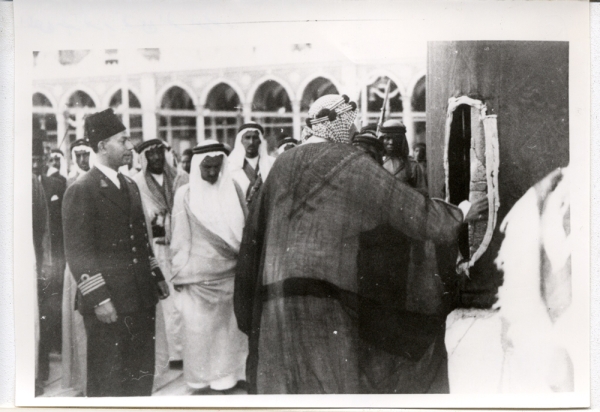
<point>226,209</point>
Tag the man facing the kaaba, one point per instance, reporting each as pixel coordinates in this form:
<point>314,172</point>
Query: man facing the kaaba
<point>119,280</point>
<point>300,295</point>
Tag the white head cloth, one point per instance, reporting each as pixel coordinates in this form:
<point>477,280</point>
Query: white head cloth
<point>63,165</point>
<point>238,154</point>
<point>76,170</point>
<point>216,205</point>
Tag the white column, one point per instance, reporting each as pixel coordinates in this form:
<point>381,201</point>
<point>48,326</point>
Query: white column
<point>200,135</point>
<point>148,102</point>
<point>61,129</point>
<point>125,103</point>
<point>296,119</point>
<point>79,122</point>
<point>247,111</point>
<point>169,132</point>
<point>407,118</point>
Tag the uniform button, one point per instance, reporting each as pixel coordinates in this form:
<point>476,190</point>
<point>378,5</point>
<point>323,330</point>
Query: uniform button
<point>131,237</point>
<point>146,234</point>
<point>135,261</point>
<point>130,226</point>
<point>134,249</point>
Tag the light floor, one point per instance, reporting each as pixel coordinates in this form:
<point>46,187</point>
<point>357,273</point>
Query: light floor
<point>475,358</point>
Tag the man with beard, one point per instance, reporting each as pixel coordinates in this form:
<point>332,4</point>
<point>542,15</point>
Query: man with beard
<point>156,182</point>
<point>316,319</point>
<point>118,278</point>
<point>249,161</point>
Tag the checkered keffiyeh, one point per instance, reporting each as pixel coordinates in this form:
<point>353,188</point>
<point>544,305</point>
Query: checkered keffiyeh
<point>330,117</point>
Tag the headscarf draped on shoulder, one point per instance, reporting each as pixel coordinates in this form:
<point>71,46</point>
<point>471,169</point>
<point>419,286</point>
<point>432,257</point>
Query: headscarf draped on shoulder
<point>217,206</point>
<point>161,195</point>
<point>330,117</point>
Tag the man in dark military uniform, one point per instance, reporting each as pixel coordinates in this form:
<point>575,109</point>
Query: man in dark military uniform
<point>118,279</point>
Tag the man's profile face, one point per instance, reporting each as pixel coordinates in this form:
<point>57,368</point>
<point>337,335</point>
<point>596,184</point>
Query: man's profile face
<point>186,162</point>
<point>82,157</point>
<point>37,165</point>
<point>156,160</point>
<point>210,167</point>
<point>392,143</point>
<point>116,150</point>
<point>55,162</point>
<point>251,142</point>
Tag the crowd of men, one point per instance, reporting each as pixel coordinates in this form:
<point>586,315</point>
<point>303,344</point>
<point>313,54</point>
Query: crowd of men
<point>266,273</point>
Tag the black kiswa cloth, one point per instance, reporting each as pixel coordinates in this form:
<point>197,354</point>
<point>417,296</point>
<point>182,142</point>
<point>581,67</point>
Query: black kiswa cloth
<point>395,331</point>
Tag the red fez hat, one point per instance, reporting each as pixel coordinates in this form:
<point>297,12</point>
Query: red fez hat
<point>102,125</point>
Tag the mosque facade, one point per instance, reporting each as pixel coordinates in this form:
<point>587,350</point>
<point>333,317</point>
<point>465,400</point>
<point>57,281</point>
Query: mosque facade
<point>183,97</point>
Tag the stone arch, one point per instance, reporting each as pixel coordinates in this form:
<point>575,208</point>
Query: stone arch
<point>108,96</point>
<point>418,96</point>
<point>374,74</point>
<point>47,96</point>
<point>326,86</point>
<point>209,88</point>
<point>257,85</point>
<point>221,104</point>
<point>163,91</point>
<point>395,102</point>
<point>79,88</point>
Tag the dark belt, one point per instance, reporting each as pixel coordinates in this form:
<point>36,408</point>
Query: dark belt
<point>399,332</point>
